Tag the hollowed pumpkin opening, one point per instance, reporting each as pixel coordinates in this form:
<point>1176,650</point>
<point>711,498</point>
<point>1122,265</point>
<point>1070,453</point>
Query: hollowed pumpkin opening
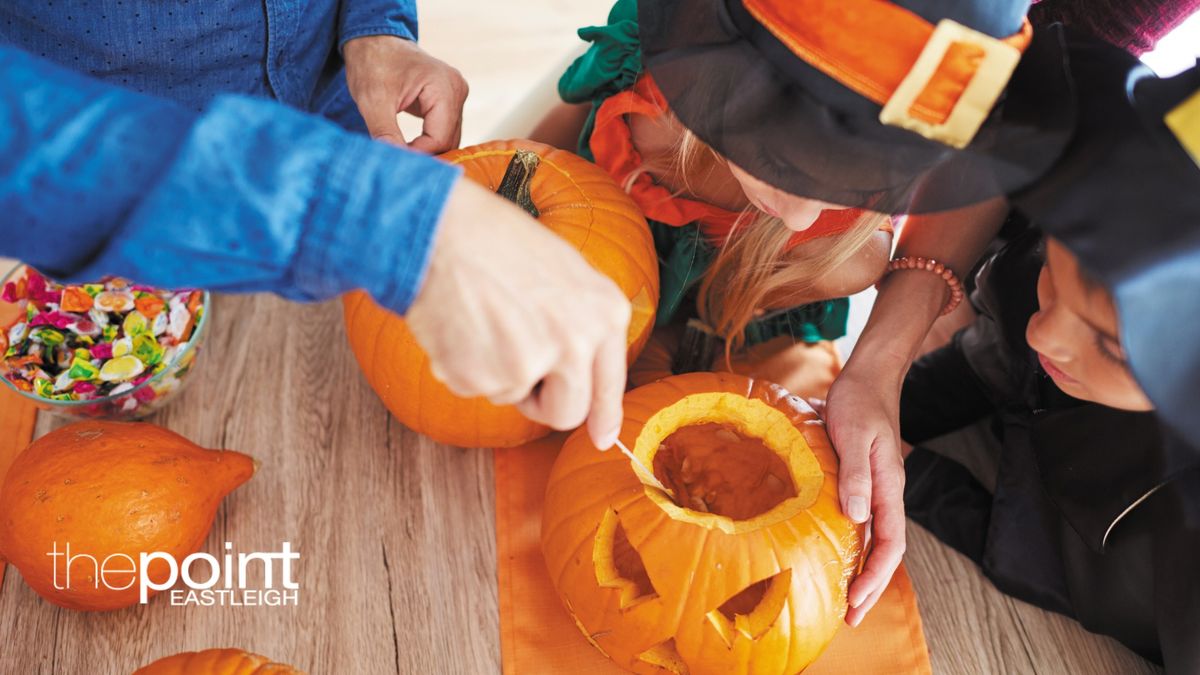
<point>714,469</point>
<point>733,463</point>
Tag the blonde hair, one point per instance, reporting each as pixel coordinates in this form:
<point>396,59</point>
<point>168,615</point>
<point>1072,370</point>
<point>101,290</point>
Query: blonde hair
<point>754,264</point>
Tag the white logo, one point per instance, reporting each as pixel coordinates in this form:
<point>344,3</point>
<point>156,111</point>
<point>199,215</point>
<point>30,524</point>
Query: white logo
<point>224,583</point>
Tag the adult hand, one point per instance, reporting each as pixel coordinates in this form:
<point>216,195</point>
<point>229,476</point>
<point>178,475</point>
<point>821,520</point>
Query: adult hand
<point>511,312</point>
<point>387,75</point>
<point>862,415</point>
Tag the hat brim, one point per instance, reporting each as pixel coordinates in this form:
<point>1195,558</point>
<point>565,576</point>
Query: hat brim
<point>786,123</point>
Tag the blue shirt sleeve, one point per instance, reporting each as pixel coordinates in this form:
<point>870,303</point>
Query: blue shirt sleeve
<point>377,17</point>
<point>245,195</point>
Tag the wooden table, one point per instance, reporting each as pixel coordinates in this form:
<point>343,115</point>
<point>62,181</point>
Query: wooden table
<point>396,535</point>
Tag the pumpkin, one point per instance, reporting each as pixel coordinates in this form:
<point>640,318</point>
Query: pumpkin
<point>806,369</point>
<point>572,197</point>
<point>216,662</point>
<point>109,489</point>
<point>744,569</point>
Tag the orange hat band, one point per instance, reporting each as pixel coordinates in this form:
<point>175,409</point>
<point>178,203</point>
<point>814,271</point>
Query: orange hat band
<point>941,82</point>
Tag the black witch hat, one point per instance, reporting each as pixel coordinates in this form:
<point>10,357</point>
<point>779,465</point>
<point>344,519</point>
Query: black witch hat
<point>854,102</point>
<point>1125,198</point>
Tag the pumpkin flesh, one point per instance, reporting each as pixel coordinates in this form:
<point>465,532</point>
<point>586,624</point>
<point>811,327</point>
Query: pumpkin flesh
<point>712,468</point>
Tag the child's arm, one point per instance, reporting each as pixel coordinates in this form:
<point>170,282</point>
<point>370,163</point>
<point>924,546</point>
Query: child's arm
<point>562,125</point>
<point>863,407</point>
<point>857,274</point>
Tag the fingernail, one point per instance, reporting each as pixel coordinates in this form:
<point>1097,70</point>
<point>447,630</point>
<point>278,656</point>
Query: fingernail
<point>856,508</point>
<point>610,439</point>
<point>856,600</point>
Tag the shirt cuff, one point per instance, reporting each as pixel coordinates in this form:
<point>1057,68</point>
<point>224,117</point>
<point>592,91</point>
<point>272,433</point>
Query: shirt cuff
<point>396,29</point>
<point>374,228</point>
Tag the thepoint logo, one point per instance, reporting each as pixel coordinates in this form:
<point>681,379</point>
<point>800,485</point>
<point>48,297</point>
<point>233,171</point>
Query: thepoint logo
<point>119,572</point>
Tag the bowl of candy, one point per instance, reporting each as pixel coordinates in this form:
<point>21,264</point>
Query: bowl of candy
<point>110,349</point>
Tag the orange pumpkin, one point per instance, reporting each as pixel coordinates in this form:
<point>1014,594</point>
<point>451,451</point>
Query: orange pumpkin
<point>110,491</point>
<point>744,570</point>
<point>575,199</point>
<point>216,662</point>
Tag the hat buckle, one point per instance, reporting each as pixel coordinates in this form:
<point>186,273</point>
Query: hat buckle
<point>978,97</point>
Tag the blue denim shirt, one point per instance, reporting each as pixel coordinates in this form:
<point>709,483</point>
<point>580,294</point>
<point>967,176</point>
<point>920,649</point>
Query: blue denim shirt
<point>136,138</point>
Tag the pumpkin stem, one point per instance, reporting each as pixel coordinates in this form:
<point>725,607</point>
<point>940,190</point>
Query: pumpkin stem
<point>515,185</point>
<point>697,349</point>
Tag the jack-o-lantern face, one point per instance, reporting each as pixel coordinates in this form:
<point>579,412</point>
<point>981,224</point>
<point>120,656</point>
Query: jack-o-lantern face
<point>743,570</point>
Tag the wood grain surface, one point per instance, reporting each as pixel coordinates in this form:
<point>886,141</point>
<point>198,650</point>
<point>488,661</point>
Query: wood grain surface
<point>396,535</point>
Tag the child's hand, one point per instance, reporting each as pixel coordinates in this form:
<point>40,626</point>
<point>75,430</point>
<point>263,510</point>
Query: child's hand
<point>510,311</point>
<point>387,75</point>
<point>862,415</point>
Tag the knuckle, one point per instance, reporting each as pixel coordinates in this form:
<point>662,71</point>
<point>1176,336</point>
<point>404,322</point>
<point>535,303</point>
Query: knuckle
<point>855,481</point>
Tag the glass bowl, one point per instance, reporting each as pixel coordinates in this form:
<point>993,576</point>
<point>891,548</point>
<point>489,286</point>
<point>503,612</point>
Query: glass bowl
<point>143,398</point>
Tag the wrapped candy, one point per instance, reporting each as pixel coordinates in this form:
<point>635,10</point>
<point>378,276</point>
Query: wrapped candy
<point>75,299</point>
<point>87,342</point>
<point>121,369</point>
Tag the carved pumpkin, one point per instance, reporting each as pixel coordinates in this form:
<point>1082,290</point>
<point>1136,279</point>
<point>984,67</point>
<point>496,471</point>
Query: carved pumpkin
<point>111,491</point>
<point>576,200</point>
<point>744,570</point>
<point>216,662</point>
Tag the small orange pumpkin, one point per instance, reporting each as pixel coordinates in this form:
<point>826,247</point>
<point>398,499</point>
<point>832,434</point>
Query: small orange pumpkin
<point>576,200</point>
<point>216,662</point>
<point>744,570</point>
<point>111,491</point>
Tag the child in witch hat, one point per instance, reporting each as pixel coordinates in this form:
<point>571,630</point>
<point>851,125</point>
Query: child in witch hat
<point>769,181</point>
<point>1072,470</point>
<point>756,264</point>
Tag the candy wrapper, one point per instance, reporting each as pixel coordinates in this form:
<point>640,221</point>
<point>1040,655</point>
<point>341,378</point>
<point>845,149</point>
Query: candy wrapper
<point>109,349</point>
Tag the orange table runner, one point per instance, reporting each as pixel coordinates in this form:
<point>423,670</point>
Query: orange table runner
<point>17,417</point>
<point>537,637</point>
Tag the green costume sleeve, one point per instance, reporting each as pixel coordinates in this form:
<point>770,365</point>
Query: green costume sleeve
<point>816,321</point>
<point>683,258</point>
<point>612,64</point>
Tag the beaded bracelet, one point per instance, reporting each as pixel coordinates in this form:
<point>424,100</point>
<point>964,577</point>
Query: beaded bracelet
<point>931,265</point>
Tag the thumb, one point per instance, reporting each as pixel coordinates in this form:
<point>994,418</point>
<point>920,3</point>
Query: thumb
<point>854,476</point>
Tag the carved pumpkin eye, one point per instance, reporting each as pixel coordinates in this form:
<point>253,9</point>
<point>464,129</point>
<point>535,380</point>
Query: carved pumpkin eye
<point>619,565</point>
<point>753,610</point>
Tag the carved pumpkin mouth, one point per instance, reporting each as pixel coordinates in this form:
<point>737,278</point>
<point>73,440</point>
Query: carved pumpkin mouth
<point>734,463</point>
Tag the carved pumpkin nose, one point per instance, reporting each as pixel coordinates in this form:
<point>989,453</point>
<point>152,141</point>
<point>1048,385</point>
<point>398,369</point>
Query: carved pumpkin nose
<point>745,570</point>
